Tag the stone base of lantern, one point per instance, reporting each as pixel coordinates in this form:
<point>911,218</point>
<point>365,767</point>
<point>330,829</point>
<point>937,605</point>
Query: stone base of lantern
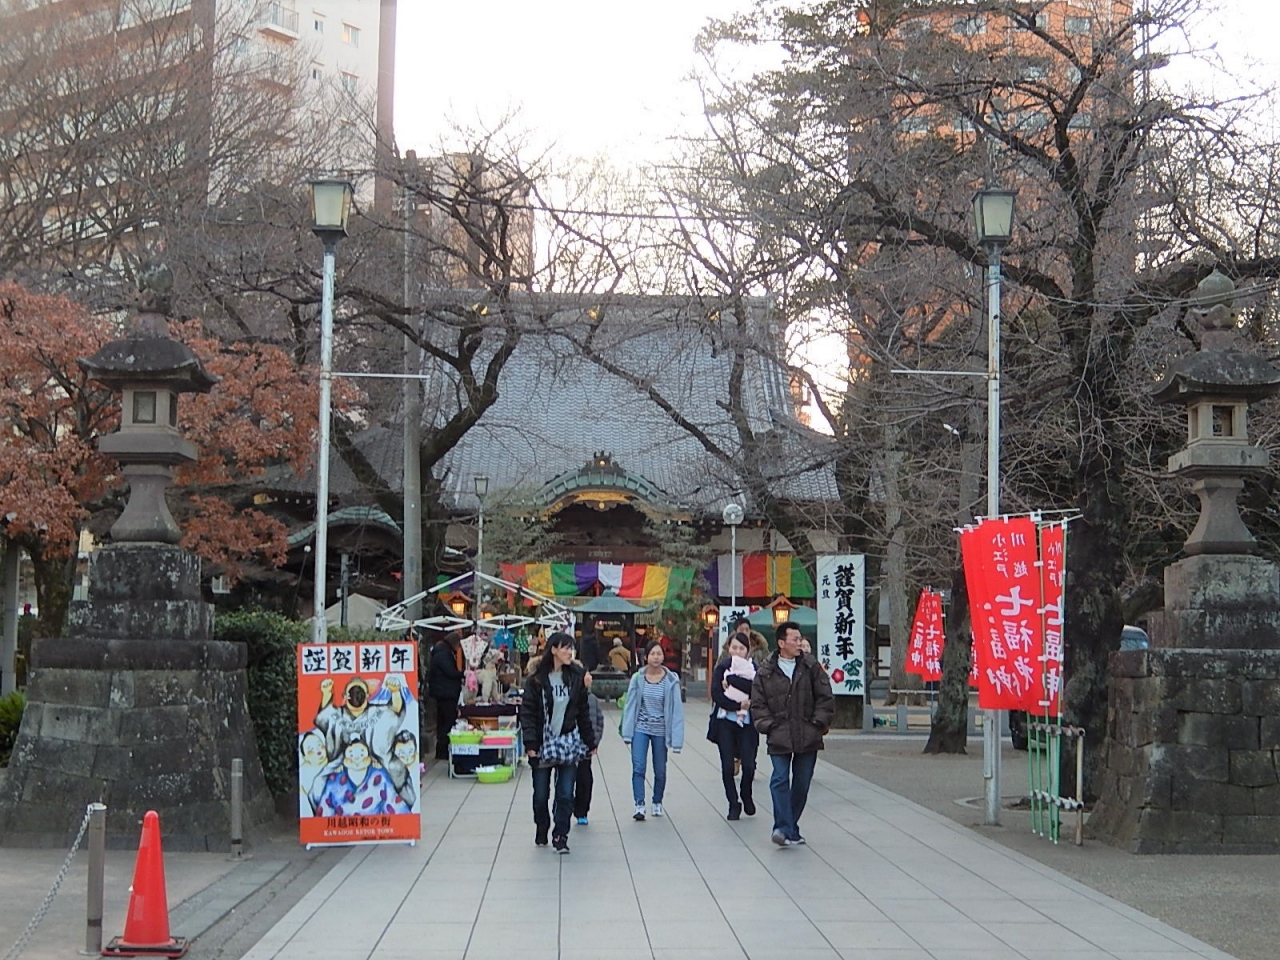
<point>138,709</point>
<point>1190,759</point>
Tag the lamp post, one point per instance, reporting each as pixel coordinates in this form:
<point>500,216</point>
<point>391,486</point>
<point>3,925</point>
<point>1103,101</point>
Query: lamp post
<point>993,223</point>
<point>482,490</point>
<point>330,209</point>
<point>733,515</point>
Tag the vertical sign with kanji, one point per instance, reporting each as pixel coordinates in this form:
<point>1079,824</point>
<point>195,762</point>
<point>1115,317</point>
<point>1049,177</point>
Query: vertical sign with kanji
<point>842,621</point>
<point>358,751</point>
<point>924,648</point>
<point>1053,564</point>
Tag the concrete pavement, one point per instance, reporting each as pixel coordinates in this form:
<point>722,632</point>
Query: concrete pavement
<point>882,878</point>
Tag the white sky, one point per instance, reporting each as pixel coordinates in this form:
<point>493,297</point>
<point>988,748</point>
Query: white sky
<point>588,76</point>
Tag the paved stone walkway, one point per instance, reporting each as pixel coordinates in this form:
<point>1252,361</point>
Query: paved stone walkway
<point>880,879</point>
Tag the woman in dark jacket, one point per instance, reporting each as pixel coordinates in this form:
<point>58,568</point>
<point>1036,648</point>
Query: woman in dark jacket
<point>734,734</point>
<point>555,699</point>
<point>444,685</point>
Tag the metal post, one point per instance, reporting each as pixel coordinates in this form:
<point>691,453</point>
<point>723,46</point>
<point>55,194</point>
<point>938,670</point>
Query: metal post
<point>9,623</point>
<point>319,627</point>
<point>479,562</point>
<point>991,720</point>
<point>97,866</point>
<point>344,587</point>
<point>412,580</point>
<point>733,565</point>
<point>237,808</point>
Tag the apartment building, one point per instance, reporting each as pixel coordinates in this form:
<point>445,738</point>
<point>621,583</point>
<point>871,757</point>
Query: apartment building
<point>116,113</point>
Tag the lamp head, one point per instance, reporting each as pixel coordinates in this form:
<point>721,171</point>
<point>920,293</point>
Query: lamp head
<point>330,207</point>
<point>993,216</point>
<point>733,514</point>
<point>481,486</point>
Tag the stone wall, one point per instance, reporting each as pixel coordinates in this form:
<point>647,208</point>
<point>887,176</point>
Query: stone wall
<point>1191,758</point>
<point>138,725</point>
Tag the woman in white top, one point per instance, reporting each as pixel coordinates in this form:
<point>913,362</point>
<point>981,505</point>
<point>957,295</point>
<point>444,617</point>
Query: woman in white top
<point>652,719</point>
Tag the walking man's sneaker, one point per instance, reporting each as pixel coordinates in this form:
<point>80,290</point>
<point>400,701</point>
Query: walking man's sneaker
<point>639,811</point>
<point>582,821</point>
<point>797,839</point>
<point>560,844</point>
<point>780,839</point>
<point>657,810</point>
<point>540,837</point>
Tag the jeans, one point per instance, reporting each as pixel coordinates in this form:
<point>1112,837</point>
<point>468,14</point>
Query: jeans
<point>639,747</point>
<point>789,787</point>
<point>566,774</point>
<point>736,742</point>
<point>583,785</point>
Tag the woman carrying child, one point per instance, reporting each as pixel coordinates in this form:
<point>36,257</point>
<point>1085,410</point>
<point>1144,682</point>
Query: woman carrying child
<point>733,731</point>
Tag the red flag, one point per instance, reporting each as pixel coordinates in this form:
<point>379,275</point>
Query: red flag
<point>1053,560</point>
<point>915,644</point>
<point>934,637</point>
<point>1005,603</point>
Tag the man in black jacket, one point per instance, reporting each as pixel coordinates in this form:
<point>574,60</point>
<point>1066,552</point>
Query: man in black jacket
<point>792,706</point>
<point>444,685</point>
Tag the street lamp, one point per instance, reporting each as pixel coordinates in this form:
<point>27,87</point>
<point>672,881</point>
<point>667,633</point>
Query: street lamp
<point>993,223</point>
<point>481,486</point>
<point>330,209</point>
<point>732,515</point>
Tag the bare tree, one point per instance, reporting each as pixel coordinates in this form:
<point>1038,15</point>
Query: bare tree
<point>859,155</point>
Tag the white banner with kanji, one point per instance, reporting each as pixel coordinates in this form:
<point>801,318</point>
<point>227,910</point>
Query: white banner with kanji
<point>842,601</point>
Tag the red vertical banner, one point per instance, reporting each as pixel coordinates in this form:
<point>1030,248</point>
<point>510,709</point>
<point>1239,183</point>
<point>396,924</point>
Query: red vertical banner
<point>1053,564</point>
<point>1002,572</point>
<point>934,636</point>
<point>924,648</point>
<point>915,642</point>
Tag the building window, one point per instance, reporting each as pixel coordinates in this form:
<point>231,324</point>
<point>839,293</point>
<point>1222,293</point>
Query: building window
<point>1078,26</point>
<point>1081,121</point>
<point>349,82</point>
<point>1042,21</point>
<point>914,125</point>
<point>318,26</point>
<point>317,70</point>
<point>970,26</point>
<point>1034,71</point>
<point>351,35</point>
<point>962,125</point>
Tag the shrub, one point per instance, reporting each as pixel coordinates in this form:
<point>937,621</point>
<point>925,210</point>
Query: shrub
<point>273,688</point>
<point>11,708</point>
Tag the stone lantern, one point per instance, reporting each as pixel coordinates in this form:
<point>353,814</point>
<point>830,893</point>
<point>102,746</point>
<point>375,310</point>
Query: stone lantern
<point>1193,723</point>
<point>1217,384</point>
<point>138,706</point>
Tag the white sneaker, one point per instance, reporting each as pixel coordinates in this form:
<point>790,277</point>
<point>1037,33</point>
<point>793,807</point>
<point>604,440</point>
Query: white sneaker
<point>657,810</point>
<point>639,811</point>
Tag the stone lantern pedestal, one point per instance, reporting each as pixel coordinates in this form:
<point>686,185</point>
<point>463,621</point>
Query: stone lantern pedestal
<point>1193,723</point>
<point>137,707</point>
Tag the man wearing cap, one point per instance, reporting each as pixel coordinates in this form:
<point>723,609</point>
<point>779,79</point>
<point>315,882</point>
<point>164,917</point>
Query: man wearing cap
<point>792,706</point>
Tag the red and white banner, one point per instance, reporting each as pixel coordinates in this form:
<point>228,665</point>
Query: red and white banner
<point>1002,572</point>
<point>1053,560</point>
<point>924,649</point>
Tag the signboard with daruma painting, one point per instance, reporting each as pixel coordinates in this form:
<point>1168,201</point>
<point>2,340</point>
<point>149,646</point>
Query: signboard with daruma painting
<point>842,621</point>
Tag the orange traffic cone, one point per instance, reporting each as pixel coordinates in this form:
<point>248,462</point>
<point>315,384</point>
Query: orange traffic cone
<point>146,926</point>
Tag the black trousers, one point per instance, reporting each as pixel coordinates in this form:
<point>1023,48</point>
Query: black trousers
<point>446,716</point>
<point>582,788</point>
<point>736,743</point>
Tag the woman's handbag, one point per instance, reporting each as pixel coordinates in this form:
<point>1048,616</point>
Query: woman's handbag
<point>561,748</point>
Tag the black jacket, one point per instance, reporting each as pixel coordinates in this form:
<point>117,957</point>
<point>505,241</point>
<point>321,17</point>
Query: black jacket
<point>589,651</point>
<point>444,679</point>
<point>536,707</point>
